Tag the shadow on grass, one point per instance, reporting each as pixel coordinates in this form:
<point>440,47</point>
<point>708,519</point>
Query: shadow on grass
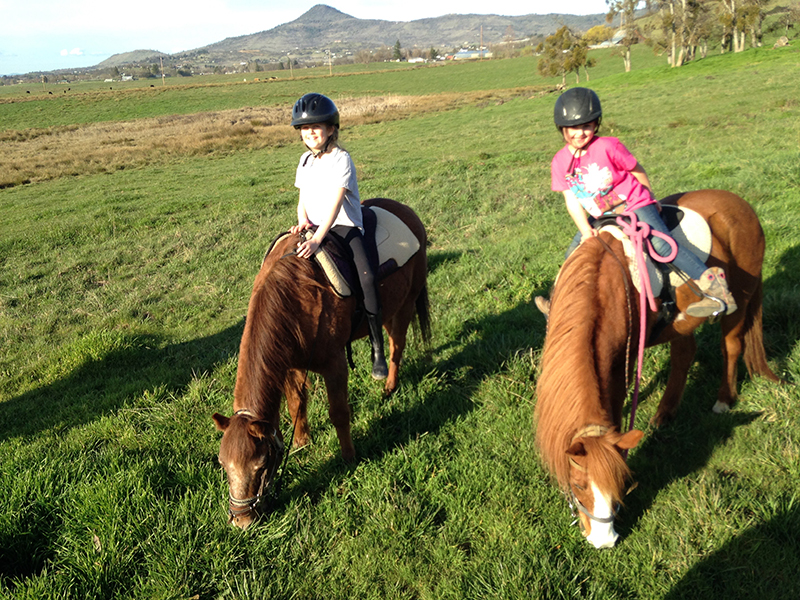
<point>782,308</point>
<point>685,446</point>
<point>482,347</point>
<point>100,387</point>
<point>762,562</point>
<point>25,547</point>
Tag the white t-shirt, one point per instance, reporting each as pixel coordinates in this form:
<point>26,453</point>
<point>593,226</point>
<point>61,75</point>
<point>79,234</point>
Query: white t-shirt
<point>318,178</point>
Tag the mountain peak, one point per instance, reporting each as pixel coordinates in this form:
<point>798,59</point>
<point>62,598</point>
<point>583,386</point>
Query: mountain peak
<point>322,13</point>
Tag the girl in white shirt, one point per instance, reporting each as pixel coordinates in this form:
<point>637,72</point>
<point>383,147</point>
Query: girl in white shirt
<point>329,201</point>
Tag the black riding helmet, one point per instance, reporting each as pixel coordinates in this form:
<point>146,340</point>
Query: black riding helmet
<point>314,108</point>
<point>577,106</point>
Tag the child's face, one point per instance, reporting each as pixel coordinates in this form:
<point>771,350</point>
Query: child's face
<point>578,137</point>
<point>316,135</point>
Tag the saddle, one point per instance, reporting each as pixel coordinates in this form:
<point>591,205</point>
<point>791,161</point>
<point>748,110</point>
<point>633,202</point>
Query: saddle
<point>388,242</point>
<point>687,228</point>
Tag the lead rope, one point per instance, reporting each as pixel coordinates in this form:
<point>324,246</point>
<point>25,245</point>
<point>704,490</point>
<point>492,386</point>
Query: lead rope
<point>639,233</point>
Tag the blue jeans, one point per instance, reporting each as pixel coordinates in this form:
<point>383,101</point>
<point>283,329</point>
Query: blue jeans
<point>685,260</point>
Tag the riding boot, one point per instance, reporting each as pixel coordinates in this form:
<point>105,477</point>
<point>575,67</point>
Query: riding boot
<point>716,297</point>
<point>379,368</point>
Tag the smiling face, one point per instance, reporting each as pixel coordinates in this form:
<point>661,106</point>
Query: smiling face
<point>316,135</point>
<point>578,137</point>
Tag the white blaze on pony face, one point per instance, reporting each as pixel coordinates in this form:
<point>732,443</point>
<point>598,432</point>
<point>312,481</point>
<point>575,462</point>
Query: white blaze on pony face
<point>600,535</point>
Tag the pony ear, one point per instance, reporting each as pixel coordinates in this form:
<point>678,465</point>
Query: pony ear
<point>258,429</point>
<point>629,439</point>
<point>577,449</point>
<point>220,421</point>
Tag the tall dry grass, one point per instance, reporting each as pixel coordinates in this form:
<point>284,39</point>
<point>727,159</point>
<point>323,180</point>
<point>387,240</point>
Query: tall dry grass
<point>41,154</point>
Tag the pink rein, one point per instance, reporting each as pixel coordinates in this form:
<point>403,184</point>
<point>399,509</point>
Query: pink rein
<point>639,233</point>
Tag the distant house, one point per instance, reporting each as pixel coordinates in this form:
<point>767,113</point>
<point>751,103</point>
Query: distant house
<point>471,54</point>
<point>616,40</point>
<point>418,59</point>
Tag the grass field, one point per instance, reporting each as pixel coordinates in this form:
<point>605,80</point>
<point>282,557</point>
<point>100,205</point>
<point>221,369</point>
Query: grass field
<point>124,286</point>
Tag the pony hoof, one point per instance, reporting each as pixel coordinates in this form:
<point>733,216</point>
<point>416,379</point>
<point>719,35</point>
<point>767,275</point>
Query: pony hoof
<point>659,421</point>
<point>721,408</point>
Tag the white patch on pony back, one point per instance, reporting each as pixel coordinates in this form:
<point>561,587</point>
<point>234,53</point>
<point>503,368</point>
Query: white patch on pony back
<point>602,535</point>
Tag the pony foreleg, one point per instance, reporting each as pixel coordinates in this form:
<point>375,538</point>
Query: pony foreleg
<point>682,351</point>
<point>338,406</point>
<point>297,400</point>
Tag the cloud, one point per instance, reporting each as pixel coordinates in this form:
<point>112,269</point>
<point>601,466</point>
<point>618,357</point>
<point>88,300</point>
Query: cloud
<point>73,52</point>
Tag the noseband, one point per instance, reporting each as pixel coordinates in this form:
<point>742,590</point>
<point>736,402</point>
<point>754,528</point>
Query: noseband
<point>241,506</point>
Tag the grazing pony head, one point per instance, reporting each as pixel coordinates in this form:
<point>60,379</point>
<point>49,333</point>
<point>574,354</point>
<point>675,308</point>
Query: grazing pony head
<point>596,480</point>
<point>577,430</point>
<point>250,452</point>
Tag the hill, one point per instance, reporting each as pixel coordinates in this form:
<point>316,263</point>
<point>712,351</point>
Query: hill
<point>133,57</point>
<point>324,28</point>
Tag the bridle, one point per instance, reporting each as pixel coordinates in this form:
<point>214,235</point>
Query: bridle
<point>241,506</point>
<point>572,499</point>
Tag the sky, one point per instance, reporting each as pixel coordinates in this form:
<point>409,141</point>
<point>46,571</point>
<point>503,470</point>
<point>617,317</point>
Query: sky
<point>45,35</point>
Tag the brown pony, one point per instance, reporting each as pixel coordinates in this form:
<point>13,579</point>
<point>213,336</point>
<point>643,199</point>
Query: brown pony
<point>590,349</point>
<point>296,323</point>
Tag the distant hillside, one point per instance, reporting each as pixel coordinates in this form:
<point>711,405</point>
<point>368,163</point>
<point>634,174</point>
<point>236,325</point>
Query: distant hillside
<point>324,28</point>
<point>134,57</point>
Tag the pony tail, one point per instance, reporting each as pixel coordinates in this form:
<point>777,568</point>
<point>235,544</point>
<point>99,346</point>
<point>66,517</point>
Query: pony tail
<point>755,357</point>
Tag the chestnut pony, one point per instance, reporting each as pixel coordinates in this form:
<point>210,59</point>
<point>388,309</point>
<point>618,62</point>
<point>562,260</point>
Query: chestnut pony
<point>590,349</point>
<point>296,323</point>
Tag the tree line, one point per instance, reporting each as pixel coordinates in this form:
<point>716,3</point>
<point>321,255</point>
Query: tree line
<point>679,28</point>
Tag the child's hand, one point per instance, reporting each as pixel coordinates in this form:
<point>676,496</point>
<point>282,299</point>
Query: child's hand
<point>306,249</point>
<point>295,229</point>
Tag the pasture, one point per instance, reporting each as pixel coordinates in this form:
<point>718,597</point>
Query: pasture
<point>123,290</point>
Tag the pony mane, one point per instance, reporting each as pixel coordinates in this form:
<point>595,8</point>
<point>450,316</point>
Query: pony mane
<point>568,389</point>
<point>273,332</point>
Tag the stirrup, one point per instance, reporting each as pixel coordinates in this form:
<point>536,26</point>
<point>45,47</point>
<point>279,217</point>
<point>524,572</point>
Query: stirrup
<point>708,306</point>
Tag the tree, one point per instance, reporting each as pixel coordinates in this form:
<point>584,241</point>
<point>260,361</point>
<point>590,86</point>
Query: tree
<point>753,17</point>
<point>791,16</point>
<point>562,53</point>
<point>433,54</point>
<point>397,53</point>
<point>626,10</point>
<point>740,17</point>
<point>686,24</point>
<point>508,42</point>
<point>598,34</point>
<point>363,57</point>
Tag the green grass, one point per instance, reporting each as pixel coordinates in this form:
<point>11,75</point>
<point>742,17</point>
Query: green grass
<point>93,102</point>
<point>122,298</point>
